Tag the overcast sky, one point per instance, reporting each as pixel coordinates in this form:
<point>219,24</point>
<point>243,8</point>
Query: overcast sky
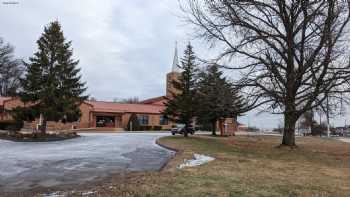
<point>125,47</point>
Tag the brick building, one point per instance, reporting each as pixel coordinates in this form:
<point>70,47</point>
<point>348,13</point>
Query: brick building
<point>114,116</point>
<point>103,115</point>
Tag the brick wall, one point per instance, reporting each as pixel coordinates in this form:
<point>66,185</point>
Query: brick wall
<point>83,123</point>
<point>51,126</point>
<point>9,105</point>
<point>87,120</point>
<point>86,116</point>
<point>170,89</point>
<point>231,126</point>
<point>153,120</point>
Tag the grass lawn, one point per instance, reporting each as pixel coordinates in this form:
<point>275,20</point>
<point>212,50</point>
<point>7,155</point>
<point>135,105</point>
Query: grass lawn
<point>245,166</point>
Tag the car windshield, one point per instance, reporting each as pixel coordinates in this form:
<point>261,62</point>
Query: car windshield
<point>180,125</point>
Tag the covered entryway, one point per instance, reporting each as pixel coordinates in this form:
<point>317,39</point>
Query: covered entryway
<point>107,120</point>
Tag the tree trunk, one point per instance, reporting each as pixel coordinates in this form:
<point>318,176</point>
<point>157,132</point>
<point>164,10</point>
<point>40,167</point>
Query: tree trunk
<point>186,130</point>
<point>221,127</point>
<point>214,128</point>
<point>43,126</point>
<point>289,129</point>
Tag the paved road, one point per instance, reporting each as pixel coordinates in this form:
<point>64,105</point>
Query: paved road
<point>91,157</point>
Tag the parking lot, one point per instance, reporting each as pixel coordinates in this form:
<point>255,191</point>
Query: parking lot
<point>91,157</point>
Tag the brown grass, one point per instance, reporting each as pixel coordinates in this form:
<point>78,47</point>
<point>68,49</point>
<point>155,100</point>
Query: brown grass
<point>244,166</point>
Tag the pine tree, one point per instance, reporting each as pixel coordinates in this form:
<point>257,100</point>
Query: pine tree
<point>53,82</point>
<point>181,108</point>
<point>133,124</point>
<point>217,98</point>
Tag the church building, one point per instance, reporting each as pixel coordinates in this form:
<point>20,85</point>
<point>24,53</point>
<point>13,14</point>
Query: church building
<point>103,115</point>
<point>113,116</point>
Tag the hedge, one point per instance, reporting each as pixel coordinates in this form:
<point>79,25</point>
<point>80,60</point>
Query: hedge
<point>11,125</point>
<point>157,128</point>
<point>145,128</point>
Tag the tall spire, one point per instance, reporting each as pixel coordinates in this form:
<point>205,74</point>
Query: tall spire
<point>176,60</point>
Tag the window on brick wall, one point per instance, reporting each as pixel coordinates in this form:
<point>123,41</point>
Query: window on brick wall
<point>163,120</point>
<point>143,119</point>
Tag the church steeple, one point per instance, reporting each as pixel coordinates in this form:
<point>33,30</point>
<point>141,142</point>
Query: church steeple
<point>175,67</point>
<point>173,76</point>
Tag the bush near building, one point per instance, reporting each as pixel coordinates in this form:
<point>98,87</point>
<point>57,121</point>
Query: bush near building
<point>11,125</point>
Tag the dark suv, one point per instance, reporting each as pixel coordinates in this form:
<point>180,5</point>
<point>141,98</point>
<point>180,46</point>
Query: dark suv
<point>180,129</point>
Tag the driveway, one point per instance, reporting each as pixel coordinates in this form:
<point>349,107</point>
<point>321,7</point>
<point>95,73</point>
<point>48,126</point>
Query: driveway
<point>92,157</point>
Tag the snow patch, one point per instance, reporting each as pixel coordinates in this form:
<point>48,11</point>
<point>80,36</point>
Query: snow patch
<point>63,194</point>
<point>88,193</point>
<point>197,160</point>
<point>54,194</point>
<point>347,140</point>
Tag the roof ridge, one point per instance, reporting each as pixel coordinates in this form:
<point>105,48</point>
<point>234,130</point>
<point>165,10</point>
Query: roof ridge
<point>111,102</point>
<point>153,98</point>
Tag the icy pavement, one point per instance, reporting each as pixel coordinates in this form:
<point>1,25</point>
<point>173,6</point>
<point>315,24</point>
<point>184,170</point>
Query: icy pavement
<point>196,161</point>
<point>91,157</point>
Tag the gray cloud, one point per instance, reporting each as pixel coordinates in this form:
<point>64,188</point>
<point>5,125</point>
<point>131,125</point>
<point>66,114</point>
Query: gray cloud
<point>125,47</point>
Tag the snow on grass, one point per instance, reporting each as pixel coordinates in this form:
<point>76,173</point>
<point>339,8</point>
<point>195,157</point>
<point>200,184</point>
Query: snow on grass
<point>197,160</point>
<point>53,194</point>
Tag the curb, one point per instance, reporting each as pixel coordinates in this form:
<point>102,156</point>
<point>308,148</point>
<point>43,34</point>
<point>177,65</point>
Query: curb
<point>169,148</point>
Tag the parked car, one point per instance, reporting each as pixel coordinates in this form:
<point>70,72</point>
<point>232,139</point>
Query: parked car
<point>337,132</point>
<point>180,129</point>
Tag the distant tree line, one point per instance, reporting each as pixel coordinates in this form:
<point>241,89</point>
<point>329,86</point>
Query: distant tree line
<point>130,100</point>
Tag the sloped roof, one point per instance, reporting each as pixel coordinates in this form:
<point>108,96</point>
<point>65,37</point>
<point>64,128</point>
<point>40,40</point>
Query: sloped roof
<point>155,101</point>
<point>3,99</point>
<point>101,106</point>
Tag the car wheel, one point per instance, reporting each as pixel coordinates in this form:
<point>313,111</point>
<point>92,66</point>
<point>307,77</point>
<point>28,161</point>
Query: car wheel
<point>173,133</point>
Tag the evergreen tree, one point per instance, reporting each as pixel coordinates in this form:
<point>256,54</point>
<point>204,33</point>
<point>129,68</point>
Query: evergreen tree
<point>53,84</point>
<point>181,108</point>
<point>133,124</point>
<point>217,98</point>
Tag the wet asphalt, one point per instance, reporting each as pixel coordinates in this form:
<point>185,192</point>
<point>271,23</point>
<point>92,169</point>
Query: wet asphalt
<point>24,166</point>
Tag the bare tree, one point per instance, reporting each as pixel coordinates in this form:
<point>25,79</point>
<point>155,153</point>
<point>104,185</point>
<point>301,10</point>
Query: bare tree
<point>92,98</point>
<point>292,52</point>
<point>11,70</point>
<point>131,100</point>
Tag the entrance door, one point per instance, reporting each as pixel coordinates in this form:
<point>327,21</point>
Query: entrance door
<point>105,121</point>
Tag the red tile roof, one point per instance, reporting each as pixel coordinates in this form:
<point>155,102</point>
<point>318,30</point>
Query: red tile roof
<point>101,106</point>
<point>155,101</point>
<point>3,99</point>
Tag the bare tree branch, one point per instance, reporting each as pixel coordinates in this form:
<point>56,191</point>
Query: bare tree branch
<point>294,50</point>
